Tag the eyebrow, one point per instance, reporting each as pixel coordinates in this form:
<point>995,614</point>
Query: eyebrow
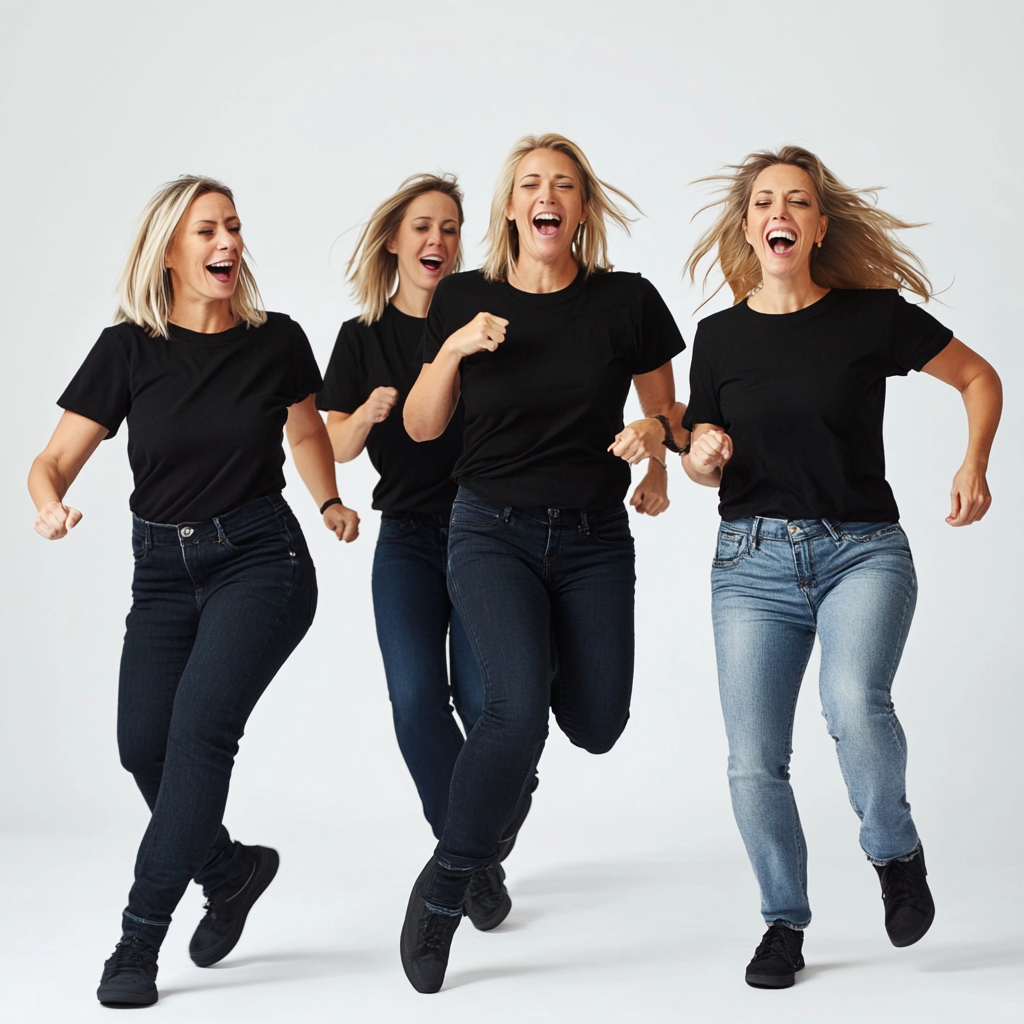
<point>207,221</point>
<point>789,192</point>
<point>426,216</point>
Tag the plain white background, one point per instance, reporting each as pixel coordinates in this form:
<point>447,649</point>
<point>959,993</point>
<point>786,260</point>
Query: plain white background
<point>634,896</point>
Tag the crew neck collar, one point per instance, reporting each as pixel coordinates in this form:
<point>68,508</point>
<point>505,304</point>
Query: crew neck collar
<point>179,333</point>
<point>797,316</point>
<point>571,290</point>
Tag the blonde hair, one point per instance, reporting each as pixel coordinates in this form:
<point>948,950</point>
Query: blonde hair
<point>858,251</point>
<point>145,294</point>
<point>373,270</point>
<point>589,244</point>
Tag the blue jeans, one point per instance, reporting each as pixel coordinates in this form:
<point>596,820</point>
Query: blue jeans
<point>546,596</point>
<point>415,624</point>
<point>217,607</point>
<point>775,584</point>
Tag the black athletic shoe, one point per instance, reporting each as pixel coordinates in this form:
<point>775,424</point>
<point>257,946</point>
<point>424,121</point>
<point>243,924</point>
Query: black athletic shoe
<point>909,907</point>
<point>426,938</point>
<point>129,976</point>
<point>226,911</point>
<point>508,840</point>
<point>487,900</point>
<point>777,958</point>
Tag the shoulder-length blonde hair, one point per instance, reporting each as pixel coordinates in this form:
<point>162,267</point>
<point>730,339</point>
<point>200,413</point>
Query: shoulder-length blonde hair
<point>145,294</point>
<point>373,270</point>
<point>859,249</point>
<point>590,243</point>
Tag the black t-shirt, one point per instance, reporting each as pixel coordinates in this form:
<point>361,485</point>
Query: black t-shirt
<point>802,396</point>
<point>386,354</point>
<point>205,412</point>
<point>541,411</point>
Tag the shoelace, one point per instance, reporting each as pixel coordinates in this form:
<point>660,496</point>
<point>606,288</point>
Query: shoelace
<point>434,930</point>
<point>483,889</point>
<point>776,942</point>
<point>130,958</point>
<point>901,887</point>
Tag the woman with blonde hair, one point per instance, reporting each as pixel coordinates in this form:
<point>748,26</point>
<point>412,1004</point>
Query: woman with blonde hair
<point>410,243</point>
<point>224,587</point>
<point>541,347</point>
<point>787,393</point>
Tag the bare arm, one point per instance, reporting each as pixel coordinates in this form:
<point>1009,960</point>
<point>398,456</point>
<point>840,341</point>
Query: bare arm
<point>982,393</point>
<point>348,431</point>
<point>710,450</point>
<point>314,459</point>
<point>435,394</point>
<point>54,471</point>
<point>642,439</point>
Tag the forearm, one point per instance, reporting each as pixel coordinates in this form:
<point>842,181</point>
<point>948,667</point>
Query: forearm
<point>713,478</point>
<point>314,459</point>
<point>433,397</point>
<point>348,434</point>
<point>46,481</point>
<point>983,400</point>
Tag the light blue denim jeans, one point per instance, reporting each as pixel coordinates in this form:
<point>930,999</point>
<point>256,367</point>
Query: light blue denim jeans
<point>775,584</point>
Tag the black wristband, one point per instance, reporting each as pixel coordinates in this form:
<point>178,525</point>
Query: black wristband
<point>670,441</point>
<point>328,503</point>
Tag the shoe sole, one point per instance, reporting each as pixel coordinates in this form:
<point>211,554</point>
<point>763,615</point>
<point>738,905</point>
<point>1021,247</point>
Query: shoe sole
<point>486,924</point>
<point>126,1000</point>
<point>411,972</point>
<point>266,869</point>
<point>773,981</point>
<point>915,936</point>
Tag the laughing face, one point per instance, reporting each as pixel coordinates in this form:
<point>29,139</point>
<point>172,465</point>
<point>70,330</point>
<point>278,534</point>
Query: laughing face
<point>427,240</point>
<point>783,221</point>
<point>206,250</point>
<point>546,205</point>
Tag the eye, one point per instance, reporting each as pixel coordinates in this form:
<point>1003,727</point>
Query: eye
<point>450,231</point>
<point>529,184</point>
<point>236,228</point>
<point>763,202</point>
<point>801,202</point>
<point>206,231</point>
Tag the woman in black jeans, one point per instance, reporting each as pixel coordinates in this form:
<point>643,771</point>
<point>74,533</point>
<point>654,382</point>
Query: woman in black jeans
<point>224,587</point>
<point>410,243</point>
<point>540,556</point>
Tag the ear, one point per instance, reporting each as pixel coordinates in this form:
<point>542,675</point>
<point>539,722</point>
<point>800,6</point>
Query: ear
<point>390,246</point>
<point>822,228</point>
<point>745,233</point>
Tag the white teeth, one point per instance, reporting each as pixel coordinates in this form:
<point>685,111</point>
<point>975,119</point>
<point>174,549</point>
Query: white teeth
<point>221,266</point>
<point>778,233</point>
<point>433,259</point>
<point>549,216</point>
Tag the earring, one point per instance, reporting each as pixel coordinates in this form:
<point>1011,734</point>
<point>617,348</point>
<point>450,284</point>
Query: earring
<point>819,245</point>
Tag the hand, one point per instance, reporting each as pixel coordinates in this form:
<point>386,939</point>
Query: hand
<point>54,520</point>
<point>484,333</point>
<point>711,451</point>
<point>970,497</point>
<point>651,496</point>
<point>344,522</point>
<point>638,441</point>
<point>378,406</point>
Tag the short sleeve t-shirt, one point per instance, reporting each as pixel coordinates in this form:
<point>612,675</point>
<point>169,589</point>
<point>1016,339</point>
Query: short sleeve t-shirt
<point>541,411</point>
<point>205,412</point>
<point>386,354</point>
<point>802,395</point>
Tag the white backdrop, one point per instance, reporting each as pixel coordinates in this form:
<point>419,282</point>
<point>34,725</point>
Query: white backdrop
<point>313,112</point>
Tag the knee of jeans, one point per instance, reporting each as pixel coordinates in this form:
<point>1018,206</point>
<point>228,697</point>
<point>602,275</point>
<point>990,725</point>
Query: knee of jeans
<point>140,758</point>
<point>757,766</point>
<point>594,738</point>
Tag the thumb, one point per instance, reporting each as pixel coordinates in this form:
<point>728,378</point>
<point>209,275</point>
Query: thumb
<point>954,507</point>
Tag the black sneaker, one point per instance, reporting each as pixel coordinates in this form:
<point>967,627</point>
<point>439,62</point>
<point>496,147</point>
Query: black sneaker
<point>909,907</point>
<point>226,911</point>
<point>508,840</point>
<point>129,976</point>
<point>487,900</point>
<point>426,938</point>
<point>777,958</point>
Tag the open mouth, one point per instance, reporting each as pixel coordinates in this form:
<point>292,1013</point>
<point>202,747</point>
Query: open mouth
<point>781,241</point>
<point>547,223</point>
<point>432,263</point>
<point>221,271</point>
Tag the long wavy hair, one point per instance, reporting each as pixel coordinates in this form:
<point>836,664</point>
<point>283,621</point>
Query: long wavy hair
<point>860,249</point>
<point>145,294</point>
<point>589,244</point>
<point>373,270</point>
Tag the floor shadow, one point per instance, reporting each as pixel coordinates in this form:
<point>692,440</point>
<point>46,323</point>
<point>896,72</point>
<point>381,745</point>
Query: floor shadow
<point>463,978</point>
<point>970,957</point>
<point>518,920</point>
<point>836,965</point>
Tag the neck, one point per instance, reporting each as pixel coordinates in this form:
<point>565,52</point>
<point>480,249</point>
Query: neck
<point>202,316</point>
<point>412,301</point>
<point>786,295</point>
<point>532,275</point>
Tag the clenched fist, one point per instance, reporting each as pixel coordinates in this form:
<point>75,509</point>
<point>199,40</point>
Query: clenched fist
<point>711,451</point>
<point>484,333</point>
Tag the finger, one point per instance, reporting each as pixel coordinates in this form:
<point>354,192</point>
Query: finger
<point>638,498</point>
<point>954,506</point>
<point>73,519</point>
<point>351,529</point>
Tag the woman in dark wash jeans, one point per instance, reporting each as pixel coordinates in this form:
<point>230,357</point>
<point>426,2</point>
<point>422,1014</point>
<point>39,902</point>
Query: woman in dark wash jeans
<point>224,587</point>
<point>542,346</point>
<point>787,393</point>
<point>411,241</point>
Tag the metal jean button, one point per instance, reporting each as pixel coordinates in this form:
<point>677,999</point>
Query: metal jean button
<point>187,531</point>
<point>793,528</point>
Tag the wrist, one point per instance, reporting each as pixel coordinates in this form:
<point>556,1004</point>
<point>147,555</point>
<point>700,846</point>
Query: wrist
<point>330,503</point>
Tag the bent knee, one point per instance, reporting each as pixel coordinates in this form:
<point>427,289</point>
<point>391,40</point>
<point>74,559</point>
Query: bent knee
<point>594,738</point>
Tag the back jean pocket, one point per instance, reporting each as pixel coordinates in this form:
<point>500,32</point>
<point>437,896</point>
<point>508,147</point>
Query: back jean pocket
<point>729,548</point>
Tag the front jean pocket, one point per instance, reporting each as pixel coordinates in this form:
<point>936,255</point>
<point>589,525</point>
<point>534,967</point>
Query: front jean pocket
<point>864,533</point>
<point>612,530</point>
<point>265,534</point>
<point>139,547</point>
<point>730,548</point>
<point>465,514</point>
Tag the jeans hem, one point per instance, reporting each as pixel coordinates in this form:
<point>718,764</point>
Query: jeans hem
<point>793,926</point>
<point>436,908</point>
<point>142,920</point>
<point>903,860</point>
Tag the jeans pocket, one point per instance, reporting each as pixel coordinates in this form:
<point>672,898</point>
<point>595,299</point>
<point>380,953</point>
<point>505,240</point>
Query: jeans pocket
<point>139,547</point>
<point>612,530</point>
<point>466,514</point>
<point>730,548</point>
<point>863,533</point>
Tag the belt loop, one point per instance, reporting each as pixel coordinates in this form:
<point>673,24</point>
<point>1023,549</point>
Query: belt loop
<point>149,537</point>
<point>584,522</point>
<point>756,531</point>
<point>832,531</point>
<point>220,532</point>
<point>506,513</point>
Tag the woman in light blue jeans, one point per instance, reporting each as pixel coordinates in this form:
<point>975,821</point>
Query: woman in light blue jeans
<point>787,395</point>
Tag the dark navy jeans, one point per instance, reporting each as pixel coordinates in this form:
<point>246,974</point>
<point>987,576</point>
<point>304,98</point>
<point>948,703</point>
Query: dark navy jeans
<point>428,661</point>
<point>217,607</point>
<point>546,596</point>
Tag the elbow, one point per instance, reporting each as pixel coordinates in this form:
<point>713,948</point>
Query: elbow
<point>419,431</point>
